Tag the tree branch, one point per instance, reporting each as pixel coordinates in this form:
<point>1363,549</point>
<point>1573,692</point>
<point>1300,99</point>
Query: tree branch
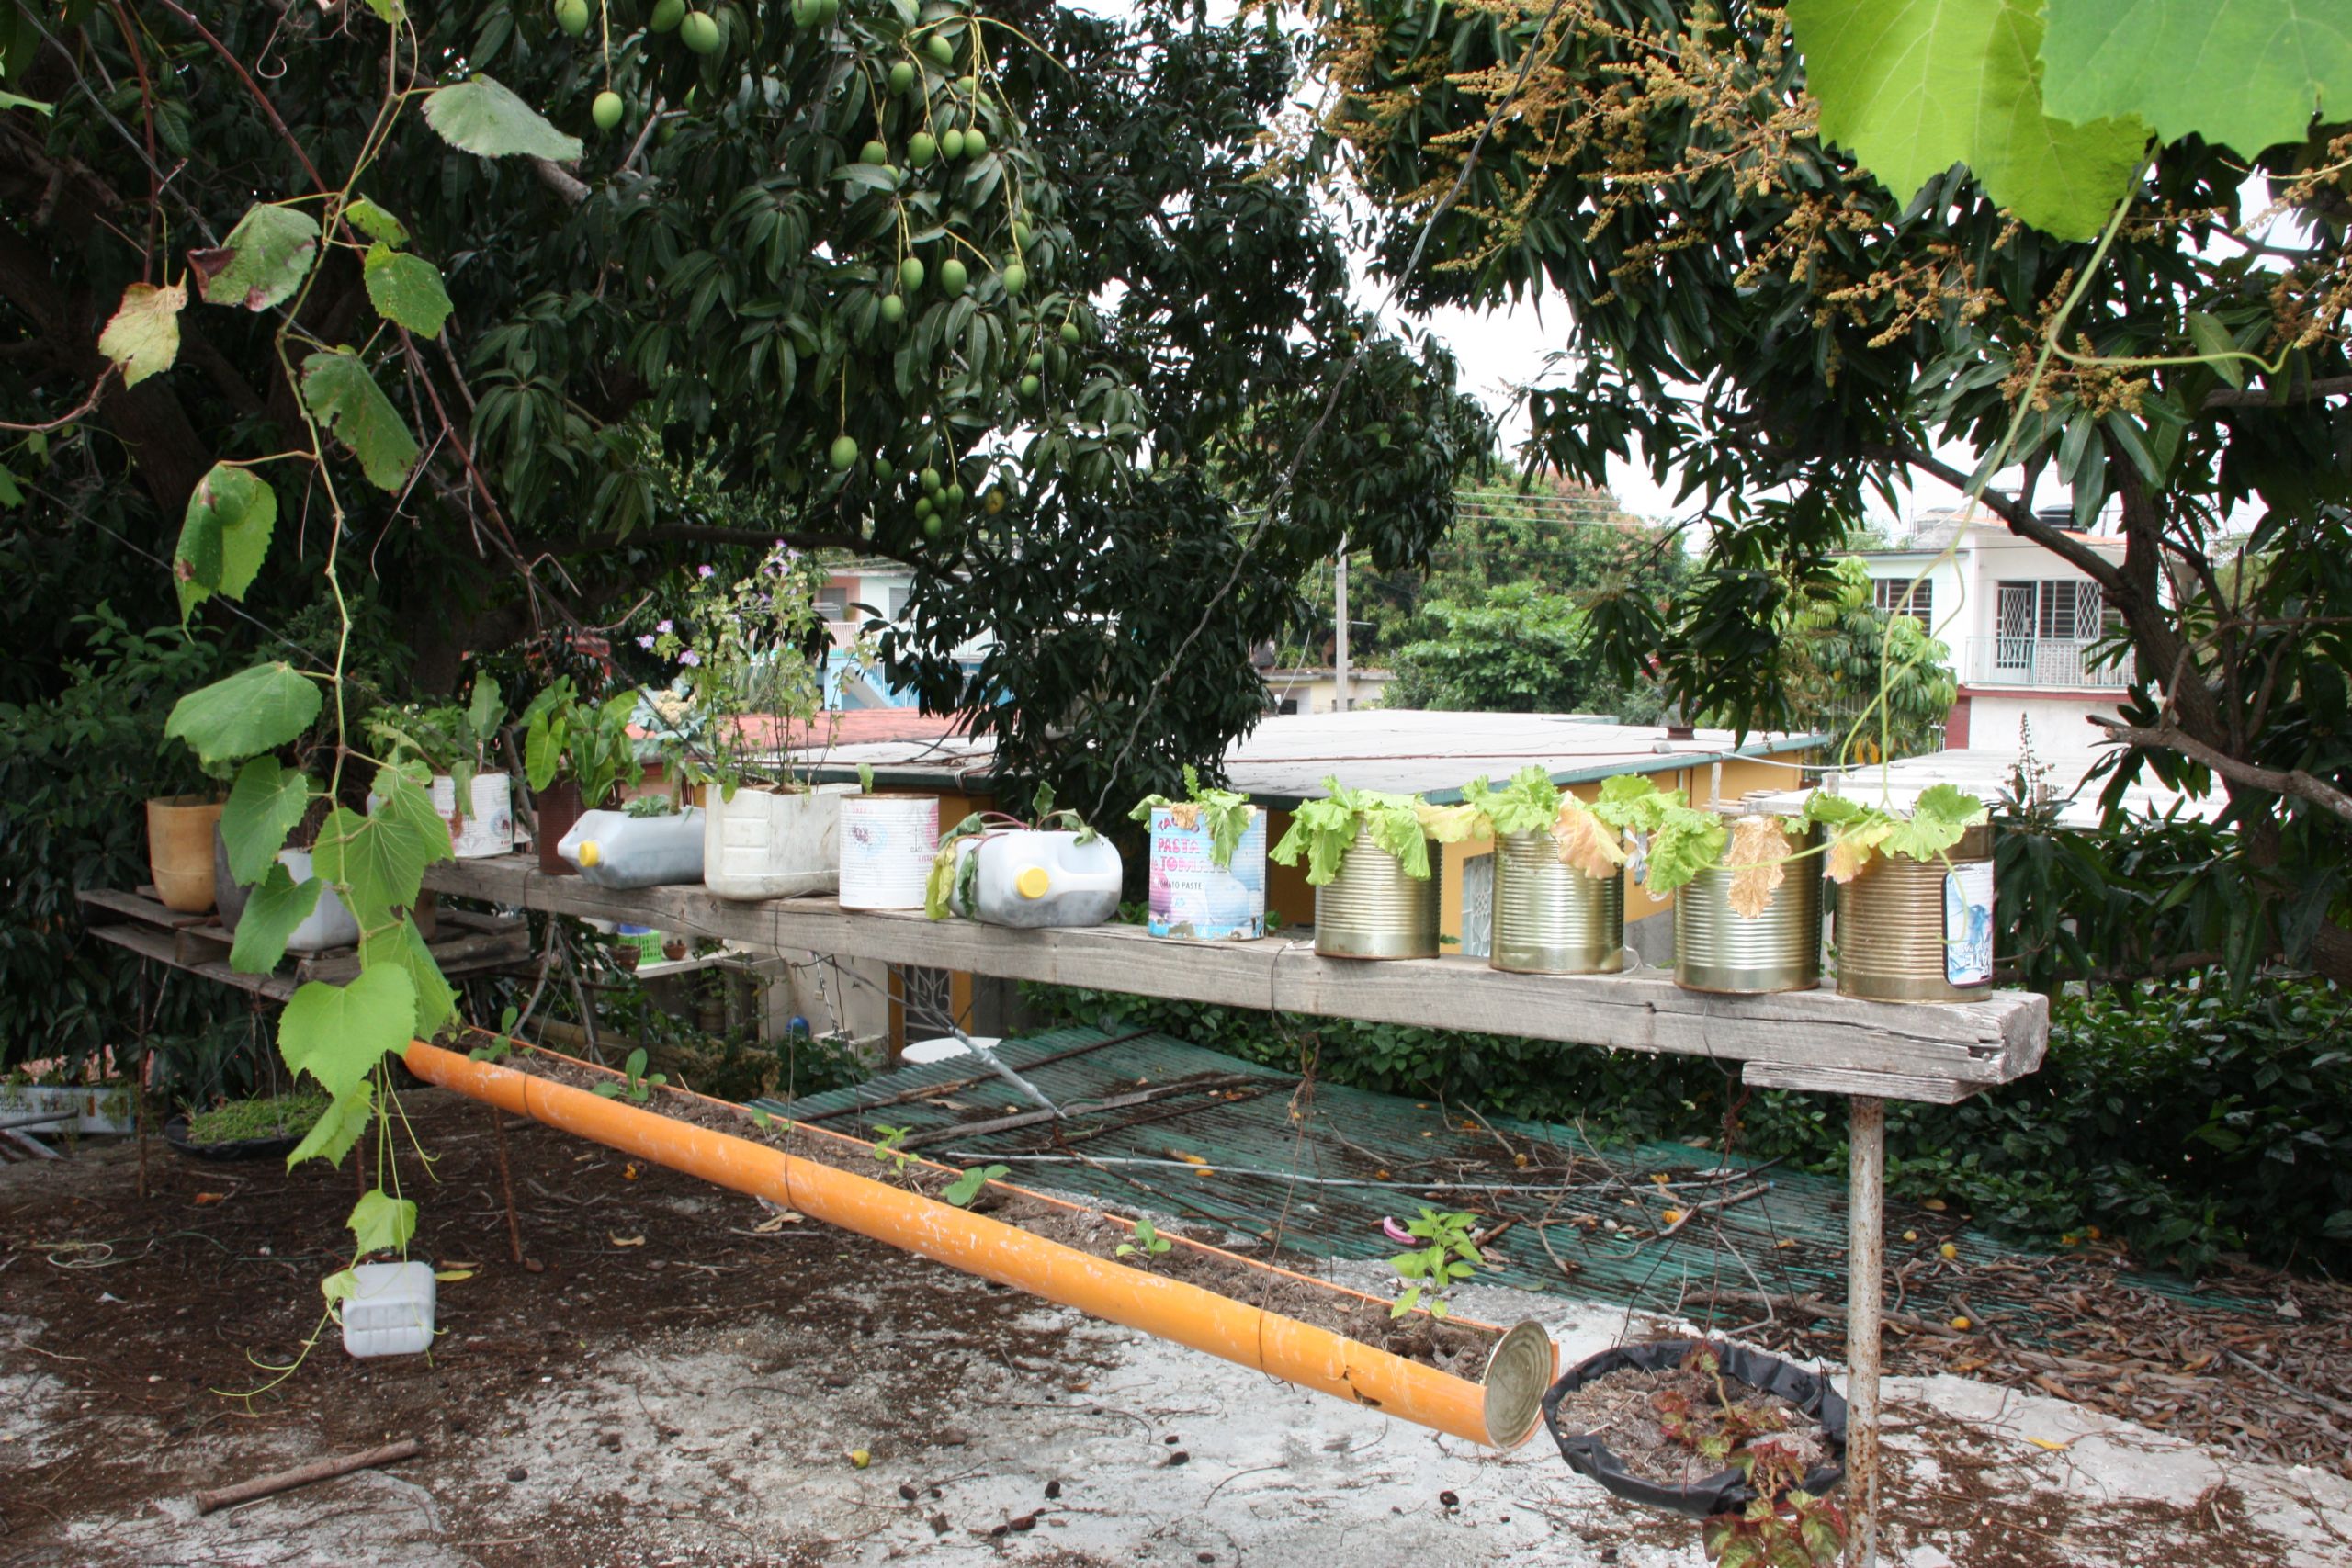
<point>2279,396</point>
<point>557,179</point>
<point>2020,521</point>
<point>2287,782</point>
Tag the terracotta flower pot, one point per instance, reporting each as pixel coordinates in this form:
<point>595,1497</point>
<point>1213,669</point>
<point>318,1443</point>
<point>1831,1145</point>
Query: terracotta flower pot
<point>556,808</point>
<point>179,850</point>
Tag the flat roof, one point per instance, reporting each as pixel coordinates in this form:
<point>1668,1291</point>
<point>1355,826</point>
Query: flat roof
<point>1286,758</point>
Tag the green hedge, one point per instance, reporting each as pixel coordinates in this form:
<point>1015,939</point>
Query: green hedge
<point>2184,1123</point>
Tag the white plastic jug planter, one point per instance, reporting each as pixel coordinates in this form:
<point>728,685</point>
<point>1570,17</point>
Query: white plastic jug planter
<point>331,924</point>
<point>769,844</point>
<point>612,848</point>
<point>389,1310</point>
<point>1033,878</point>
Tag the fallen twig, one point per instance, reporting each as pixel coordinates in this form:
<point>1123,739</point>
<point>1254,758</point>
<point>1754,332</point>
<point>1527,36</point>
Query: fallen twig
<point>302,1475</point>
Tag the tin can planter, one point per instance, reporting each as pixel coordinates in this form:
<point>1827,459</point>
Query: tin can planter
<point>1551,918</point>
<point>485,825</point>
<point>1191,895</point>
<point>1915,930</point>
<point>887,844</point>
<point>1718,949</point>
<point>1820,1415</point>
<point>1373,908</point>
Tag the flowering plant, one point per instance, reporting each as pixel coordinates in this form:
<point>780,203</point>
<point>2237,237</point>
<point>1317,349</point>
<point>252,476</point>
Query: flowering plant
<point>752,657</point>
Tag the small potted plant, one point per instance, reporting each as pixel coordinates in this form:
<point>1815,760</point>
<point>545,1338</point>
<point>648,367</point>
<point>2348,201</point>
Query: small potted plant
<point>450,750</point>
<point>1368,859</point>
<point>1914,905</point>
<point>576,754</point>
<point>1559,901</point>
<point>1208,863</point>
<point>753,658</point>
<point>246,1129</point>
<point>1745,922</point>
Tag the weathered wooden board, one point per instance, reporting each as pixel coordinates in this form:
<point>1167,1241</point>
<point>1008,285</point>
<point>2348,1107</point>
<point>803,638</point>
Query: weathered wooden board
<point>1810,1038</point>
<point>149,942</point>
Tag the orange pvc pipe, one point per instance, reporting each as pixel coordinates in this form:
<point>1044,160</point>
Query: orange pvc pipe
<point>1169,1309</point>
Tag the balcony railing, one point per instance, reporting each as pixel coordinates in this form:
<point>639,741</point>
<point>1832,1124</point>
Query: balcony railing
<point>2056,663</point>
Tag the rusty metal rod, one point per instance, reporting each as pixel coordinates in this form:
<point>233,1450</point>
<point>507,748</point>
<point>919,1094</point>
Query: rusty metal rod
<point>1865,1257</point>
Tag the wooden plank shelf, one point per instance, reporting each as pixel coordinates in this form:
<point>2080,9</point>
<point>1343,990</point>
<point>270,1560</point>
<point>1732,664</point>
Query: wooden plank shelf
<point>467,943</point>
<point>1806,1040</point>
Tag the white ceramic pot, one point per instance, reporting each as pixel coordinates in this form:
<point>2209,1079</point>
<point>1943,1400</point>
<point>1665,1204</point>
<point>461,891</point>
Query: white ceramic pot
<point>773,844</point>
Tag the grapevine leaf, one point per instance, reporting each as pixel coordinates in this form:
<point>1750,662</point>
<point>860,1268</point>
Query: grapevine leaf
<point>331,1137</point>
<point>1686,842</point>
<point>143,335</point>
<point>381,1222</point>
<point>378,860</point>
<point>265,803</point>
<point>375,223</point>
<point>1911,87</point>
<point>338,1033</point>
<point>1754,857</point>
<point>2247,73</point>
<point>407,290</point>
<point>403,944</point>
<point>1821,807</point>
<point>339,392</point>
<point>262,262</point>
<point>254,711</point>
<point>224,537</point>
<point>1942,815</point>
<point>276,907</point>
<point>343,1284</point>
<point>483,118</point>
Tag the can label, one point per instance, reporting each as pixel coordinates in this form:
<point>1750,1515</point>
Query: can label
<point>1193,896</point>
<point>1968,924</point>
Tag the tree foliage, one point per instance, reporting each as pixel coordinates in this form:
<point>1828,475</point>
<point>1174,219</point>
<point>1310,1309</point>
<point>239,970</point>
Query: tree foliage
<point>1749,309</point>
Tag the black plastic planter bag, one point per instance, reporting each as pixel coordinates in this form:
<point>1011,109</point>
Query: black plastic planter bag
<point>1727,1491</point>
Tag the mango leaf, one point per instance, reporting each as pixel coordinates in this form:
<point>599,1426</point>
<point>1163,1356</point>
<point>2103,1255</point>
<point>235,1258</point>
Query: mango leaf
<point>2248,74</point>
<point>262,262</point>
<point>2221,350</point>
<point>1911,87</point>
<point>343,395</point>
<point>337,1128</point>
<point>265,803</point>
<point>276,907</point>
<point>143,335</point>
<point>400,943</point>
<point>338,1033</point>
<point>375,223</point>
<point>224,537</point>
<point>254,711</point>
<point>407,290</point>
<point>483,118</point>
<point>381,1222</point>
<point>378,860</point>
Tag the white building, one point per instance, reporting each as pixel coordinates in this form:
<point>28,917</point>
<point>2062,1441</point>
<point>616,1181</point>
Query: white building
<point>2029,634</point>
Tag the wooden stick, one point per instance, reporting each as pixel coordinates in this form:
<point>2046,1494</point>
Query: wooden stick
<point>302,1475</point>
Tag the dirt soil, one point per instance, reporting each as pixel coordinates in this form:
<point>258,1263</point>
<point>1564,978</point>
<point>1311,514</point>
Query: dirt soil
<point>1459,1348</point>
<point>685,1378</point>
<point>1627,1409</point>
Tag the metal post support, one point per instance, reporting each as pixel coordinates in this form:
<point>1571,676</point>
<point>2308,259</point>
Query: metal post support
<point>1865,1259</point>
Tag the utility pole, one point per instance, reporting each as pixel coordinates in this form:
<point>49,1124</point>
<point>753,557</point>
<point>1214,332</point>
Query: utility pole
<point>1340,612</point>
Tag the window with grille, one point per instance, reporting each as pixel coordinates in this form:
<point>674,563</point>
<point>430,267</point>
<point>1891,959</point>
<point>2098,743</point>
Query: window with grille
<point>1888,594</point>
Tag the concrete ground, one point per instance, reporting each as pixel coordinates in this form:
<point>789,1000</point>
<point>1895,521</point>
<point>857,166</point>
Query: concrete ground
<point>706,1413</point>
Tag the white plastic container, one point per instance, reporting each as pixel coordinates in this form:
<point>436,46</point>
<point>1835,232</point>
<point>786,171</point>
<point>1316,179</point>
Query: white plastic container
<point>1032,878</point>
<point>1191,895</point>
<point>391,1312</point>
<point>488,827</point>
<point>888,841</point>
<point>613,848</point>
<point>330,924</point>
<point>773,844</point>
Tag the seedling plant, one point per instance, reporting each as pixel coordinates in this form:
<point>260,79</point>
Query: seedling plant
<point>1432,1271</point>
<point>968,1184</point>
<point>635,1084</point>
<point>1148,1245</point>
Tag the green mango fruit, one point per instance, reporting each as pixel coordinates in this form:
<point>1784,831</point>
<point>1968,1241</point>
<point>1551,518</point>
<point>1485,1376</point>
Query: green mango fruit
<point>911,273</point>
<point>941,48</point>
<point>667,15</point>
<point>894,308</point>
<point>1029,385</point>
<point>1070,334</point>
<point>976,142</point>
<point>934,527</point>
<point>1016,278</point>
<point>883,472</point>
<point>1021,235</point>
<point>903,75</point>
<point>700,33</point>
<point>951,145</point>
<point>931,480</point>
<point>844,454</point>
<point>955,495</point>
<point>953,276</point>
<point>922,148</point>
<point>571,15</point>
<point>874,153</point>
<point>1036,362</point>
<point>606,110</point>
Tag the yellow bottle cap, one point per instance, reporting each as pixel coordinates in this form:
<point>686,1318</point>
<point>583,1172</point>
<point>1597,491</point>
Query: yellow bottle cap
<point>590,854</point>
<point>1032,881</point>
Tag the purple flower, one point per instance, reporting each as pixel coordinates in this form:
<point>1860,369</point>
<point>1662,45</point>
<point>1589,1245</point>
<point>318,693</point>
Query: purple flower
<point>706,571</point>
<point>690,658</point>
<point>647,640</point>
<point>662,626</point>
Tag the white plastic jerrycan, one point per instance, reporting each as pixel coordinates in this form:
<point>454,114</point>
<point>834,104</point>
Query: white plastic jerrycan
<point>613,848</point>
<point>1032,878</point>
